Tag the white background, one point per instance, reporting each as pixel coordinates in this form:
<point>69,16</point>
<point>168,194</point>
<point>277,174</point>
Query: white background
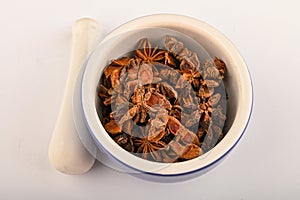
<point>35,48</point>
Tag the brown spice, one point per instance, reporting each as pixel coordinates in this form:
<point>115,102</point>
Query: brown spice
<point>164,105</point>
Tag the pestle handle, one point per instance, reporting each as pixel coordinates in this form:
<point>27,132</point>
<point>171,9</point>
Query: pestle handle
<point>66,152</point>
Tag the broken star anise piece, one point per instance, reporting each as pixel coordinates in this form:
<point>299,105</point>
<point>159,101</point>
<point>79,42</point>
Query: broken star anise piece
<point>145,74</point>
<point>158,125</point>
<point>112,127</point>
<point>125,141</point>
<point>221,66</point>
<point>188,60</point>
<point>211,74</point>
<point>191,151</point>
<point>114,69</point>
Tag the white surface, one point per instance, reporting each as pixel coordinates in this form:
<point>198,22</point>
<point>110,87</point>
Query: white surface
<point>35,46</point>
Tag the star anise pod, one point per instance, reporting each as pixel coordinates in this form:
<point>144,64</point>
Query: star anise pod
<point>114,69</point>
<point>146,53</point>
<point>147,148</point>
<point>189,60</point>
<point>183,151</point>
<point>192,77</point>
<point>112,127</point>
<point>221,66</point>
<point>212,76</point>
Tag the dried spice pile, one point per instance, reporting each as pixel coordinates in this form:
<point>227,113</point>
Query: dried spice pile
<point>163,104</point>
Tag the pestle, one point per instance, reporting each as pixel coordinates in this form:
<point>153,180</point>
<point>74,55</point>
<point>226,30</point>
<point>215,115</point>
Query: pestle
<point>66,152</point>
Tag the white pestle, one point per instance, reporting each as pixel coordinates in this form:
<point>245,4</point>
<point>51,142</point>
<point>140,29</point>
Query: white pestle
<point>66,152</point>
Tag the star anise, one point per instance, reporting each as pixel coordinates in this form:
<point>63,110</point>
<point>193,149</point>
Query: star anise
<point>185,145</point>
<point>213,74</point>
<point>147,148</point>
<point>221,66</point>
<point>114,69</point>
<point>192,77</point>
<point>112,127</point>
<point>146,53</point>
<point>189,62</point>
